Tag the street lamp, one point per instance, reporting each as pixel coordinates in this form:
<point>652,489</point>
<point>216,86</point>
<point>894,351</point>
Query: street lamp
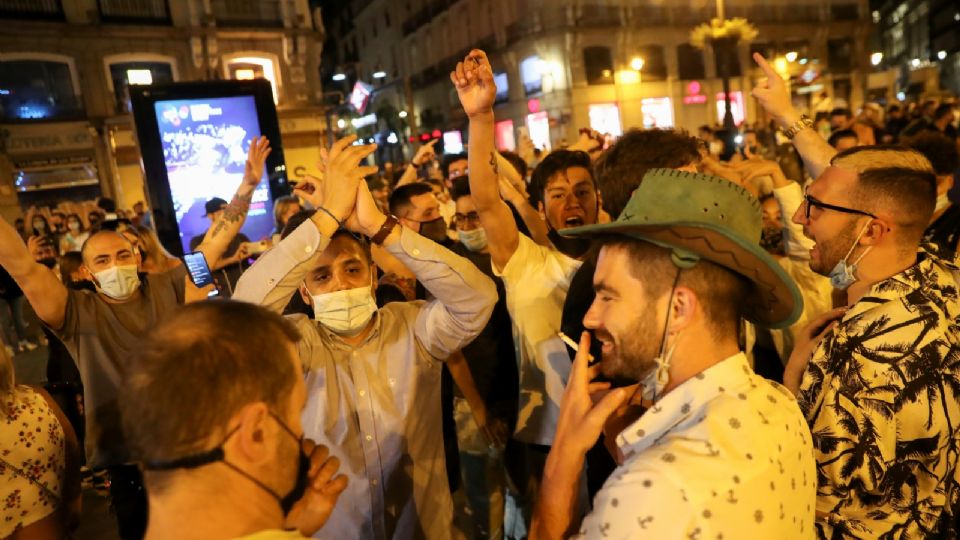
<point>339,77</point>
<point>941,55</point>
<point>379,74</point>
<point>791,56</point>
<point>636,63</point>
<point>876,58</point>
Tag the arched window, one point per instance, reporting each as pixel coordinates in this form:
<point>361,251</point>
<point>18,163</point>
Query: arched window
<point>598,65</point>
<point>37,86</point>
<point>254,65</point>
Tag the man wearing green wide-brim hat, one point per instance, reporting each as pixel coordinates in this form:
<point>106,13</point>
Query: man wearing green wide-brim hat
<point>721,450</point>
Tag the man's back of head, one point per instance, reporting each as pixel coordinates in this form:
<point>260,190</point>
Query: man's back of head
<point>210,405</point>
<point>620,169</point>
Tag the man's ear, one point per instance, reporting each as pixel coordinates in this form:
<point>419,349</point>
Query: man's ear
<point>86,274</point>
<point>253,441</point>
<point>683,309</point>
<point>875,233</point>
<point>305,294</point>
<point>542,210</point>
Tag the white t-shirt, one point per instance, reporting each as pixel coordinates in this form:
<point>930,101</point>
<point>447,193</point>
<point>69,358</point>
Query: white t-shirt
<point>536,279</point>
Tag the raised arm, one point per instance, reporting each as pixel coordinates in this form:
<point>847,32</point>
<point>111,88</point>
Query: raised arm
<point>473,79</point>
<point>424,154</point>
<point>40,285</point>
<point>227,226</point>
<point>273,279</point>
<point>775,99</point>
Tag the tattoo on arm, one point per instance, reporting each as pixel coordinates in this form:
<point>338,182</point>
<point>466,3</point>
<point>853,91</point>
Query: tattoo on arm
<point>233,212</point>
<point>493,163</point>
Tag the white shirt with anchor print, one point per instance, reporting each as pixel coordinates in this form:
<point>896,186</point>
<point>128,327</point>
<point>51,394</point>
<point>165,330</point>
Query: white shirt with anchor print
<point>727,454</point>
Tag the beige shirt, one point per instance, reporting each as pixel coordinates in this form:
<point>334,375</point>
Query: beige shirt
<point>377,405</point>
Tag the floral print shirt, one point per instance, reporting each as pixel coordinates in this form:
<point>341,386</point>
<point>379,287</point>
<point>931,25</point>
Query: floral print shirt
<point>881,396</point>
<point>32,460</point>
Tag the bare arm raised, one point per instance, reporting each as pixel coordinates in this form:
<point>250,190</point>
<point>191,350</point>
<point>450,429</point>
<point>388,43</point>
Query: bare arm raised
<point>477,91</point>
<point>226,227</point>
<point>775,99</point>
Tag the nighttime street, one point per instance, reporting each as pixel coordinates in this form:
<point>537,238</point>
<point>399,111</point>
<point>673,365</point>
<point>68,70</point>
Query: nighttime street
<point>479,269</point>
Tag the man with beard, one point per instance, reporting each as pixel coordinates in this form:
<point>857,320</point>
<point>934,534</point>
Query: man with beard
<point>721,452</point>
<point>879,386</point>
<point>536,277</point>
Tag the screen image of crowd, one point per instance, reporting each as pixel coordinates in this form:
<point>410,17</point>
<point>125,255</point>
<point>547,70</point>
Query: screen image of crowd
<point>657,335</point>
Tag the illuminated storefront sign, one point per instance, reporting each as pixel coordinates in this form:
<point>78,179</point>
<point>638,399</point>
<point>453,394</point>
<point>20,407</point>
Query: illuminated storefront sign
<point>657,112</point>
<point>605,118</point>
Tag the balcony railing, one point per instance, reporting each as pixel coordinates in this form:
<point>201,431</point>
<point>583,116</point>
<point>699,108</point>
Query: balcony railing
<point>257,13</point>
<point>32,9</point>
<point>134,11</point>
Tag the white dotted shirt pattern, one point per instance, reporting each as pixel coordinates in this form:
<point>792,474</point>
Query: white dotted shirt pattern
<point>727,454</point>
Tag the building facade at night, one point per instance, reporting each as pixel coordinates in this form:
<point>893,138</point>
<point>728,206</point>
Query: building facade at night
<point>918,49</point>
<point>565,64</point>
<point>65,66</point>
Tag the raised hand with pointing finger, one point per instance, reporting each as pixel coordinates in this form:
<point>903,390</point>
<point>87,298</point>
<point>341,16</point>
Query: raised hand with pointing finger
<point>473,78</point>
<point>773,95</point>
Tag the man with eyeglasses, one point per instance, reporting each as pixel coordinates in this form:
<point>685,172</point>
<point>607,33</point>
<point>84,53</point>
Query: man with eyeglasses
<point>484,409</point>
<point>877,380</point>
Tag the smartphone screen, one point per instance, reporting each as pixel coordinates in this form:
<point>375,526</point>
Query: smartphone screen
<point>199,270</point>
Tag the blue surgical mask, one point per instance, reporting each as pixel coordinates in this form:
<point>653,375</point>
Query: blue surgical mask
<point>474,240</point>
<point>843,274</point>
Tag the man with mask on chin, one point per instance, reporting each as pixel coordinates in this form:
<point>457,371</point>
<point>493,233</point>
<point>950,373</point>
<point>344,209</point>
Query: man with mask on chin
<point>721,452</point>
<point>104,329</point>
<point>243,468</point>
<point>372,375</point>
<point>879,385</point>
<point>536,277</point>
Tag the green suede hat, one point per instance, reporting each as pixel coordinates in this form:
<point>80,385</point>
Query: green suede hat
<point>705,217</point>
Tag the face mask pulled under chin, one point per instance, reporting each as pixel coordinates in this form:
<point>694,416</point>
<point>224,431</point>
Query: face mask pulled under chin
<point>474,240</point>
<point>118,282</point>
<point>345,312</point>
<point>843,274</point>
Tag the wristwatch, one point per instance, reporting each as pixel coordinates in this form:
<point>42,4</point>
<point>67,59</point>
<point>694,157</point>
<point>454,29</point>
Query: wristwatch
<point>803,123</point>
<point>385,230</point>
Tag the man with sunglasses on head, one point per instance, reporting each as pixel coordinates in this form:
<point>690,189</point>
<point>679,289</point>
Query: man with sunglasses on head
<point>878,380</point>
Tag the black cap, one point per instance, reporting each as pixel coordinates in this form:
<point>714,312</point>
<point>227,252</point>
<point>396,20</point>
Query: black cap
<point>214,205</point>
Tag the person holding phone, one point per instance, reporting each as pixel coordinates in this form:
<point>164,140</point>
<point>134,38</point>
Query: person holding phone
<point>104,329</point>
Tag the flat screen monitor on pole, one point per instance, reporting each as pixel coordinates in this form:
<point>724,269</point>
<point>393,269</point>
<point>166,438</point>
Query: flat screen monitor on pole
<point>193,140</point>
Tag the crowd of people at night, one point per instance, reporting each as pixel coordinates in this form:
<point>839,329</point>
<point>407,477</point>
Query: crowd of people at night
<point>733,334</point>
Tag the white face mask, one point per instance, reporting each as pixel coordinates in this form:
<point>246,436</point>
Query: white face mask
<point>118,282</point>
<point>474,240</point>
<point>345,312</point>
<point>843,274</point>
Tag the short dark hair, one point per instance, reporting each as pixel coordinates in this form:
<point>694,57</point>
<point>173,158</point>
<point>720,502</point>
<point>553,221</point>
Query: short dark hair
<point>706,128</point>
<point>219,355</point>
<point>908,194</point>
<point>449,159</point>
<point>893,108</point>
<point>297,219</point>
<point>938,148</point>
<point>841,134</point>
<point>107,204</point>
<point>841,111</point>
<point>557,161</point>
<point>461,188</point>
<point>720,291</point>
<point>620,169</point>
<point>399,200</point>
<point>942,110</point>
<point>518,163</point>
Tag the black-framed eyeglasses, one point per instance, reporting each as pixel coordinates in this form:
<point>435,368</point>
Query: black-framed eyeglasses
<point>811,201</point>
<point>471,217</point>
